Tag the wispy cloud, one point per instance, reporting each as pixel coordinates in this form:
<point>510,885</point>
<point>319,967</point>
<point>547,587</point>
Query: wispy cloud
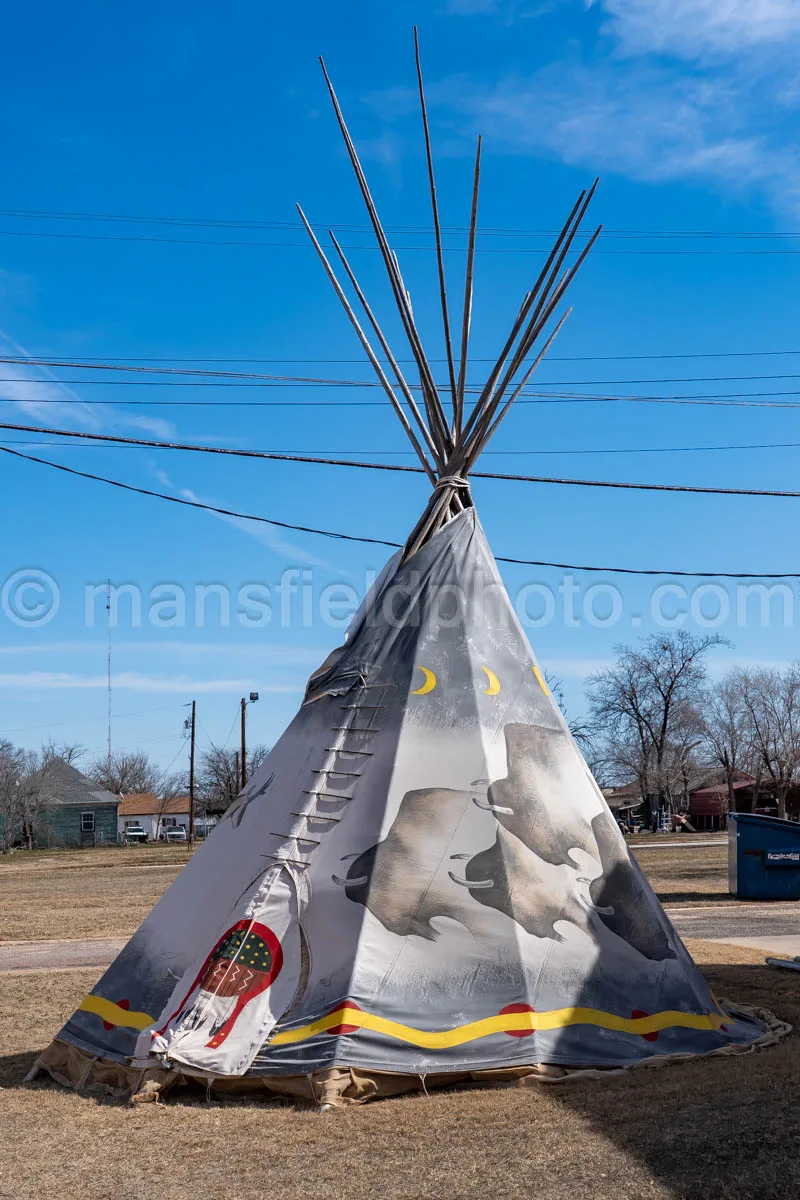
<point>696,28</point>
<point>268,535</point>
<point>132,681</point>
<point>39,393</point>
<point>697,90</point>
<point>276,654</point>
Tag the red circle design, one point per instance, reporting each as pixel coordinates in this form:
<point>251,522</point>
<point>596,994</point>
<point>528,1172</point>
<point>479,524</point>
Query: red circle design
<point>648,1037</point>
<point>126,1004</point>
<point>517,1008</point>
<point>340,1030</point>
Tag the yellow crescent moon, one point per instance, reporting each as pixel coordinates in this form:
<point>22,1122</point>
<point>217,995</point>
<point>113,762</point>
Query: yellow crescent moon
<point>494,682</point>
<point>428,685</point>
<point>540,680</point>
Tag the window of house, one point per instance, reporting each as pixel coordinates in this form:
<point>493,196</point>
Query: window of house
<point>87,822</point>
<point>170,821</point>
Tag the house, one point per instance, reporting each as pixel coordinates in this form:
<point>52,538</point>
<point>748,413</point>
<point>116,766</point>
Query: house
<point>152,814</point>
<point>75,811</point>
<point>709,806</point>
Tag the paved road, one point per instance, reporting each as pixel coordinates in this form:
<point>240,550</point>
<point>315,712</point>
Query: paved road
<point>769,927</point>
<point>59,954</point>
<point>680,843</point>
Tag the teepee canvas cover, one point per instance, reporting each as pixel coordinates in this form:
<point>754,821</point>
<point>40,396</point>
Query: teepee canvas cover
<point>422,881</point>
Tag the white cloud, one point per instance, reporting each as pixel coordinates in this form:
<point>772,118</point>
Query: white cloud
<point>723,112</point>
<point>695,28</point>
<point>665,125</point>
<point>133,681</point>
<point>268,535</point>
<point>38,393</point>
<point>276,654</point>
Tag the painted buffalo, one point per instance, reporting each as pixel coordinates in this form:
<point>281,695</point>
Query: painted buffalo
<point>528,801</point>
<point>624,898</point>
<point>402,880</point>
<point>531,891</point>
<point>536,804</point>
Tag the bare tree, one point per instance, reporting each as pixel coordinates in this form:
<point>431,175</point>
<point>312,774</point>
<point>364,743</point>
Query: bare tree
<point>128,773</point>
<point>644,711</point>
<point>580,730</point>
<point>69,752</point>
<point>218,776</point>
<point>727,727</point>
<point>21,795</point>
<point>771,700</point>
<point>10,812</point>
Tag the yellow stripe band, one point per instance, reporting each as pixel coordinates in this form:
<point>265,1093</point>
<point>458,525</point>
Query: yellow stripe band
<point>540,678</point>
<point>113,1014</point>
<point>558,1018</point>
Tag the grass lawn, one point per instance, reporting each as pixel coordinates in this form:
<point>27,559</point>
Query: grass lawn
<point>83,893</point>
<point>721,1129</point>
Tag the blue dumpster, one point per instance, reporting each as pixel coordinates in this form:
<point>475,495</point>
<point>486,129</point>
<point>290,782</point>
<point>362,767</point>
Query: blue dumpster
<point>763,857</point>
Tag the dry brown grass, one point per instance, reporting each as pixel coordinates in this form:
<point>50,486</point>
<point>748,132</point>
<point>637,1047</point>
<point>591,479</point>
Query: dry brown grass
<point>727,1128</point>
<point>687,874</point>
<point>108,893</point>
<point>84,893</point>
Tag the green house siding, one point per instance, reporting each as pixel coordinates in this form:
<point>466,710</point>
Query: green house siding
<point>61,826</point>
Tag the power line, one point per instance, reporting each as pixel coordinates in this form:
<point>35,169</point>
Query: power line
<point>714,399</point>
<point>355,227</point>
<point>568,452</point>
<point>281,456</point>
<point>396,545</point>
<point>257,379</point>
<point>358,227</point>
<point>91,720</point>
<point>61,359</point>
<point>251,242</point>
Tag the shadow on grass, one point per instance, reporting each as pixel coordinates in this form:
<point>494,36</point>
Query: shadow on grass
<point>14,1067</point>
<point>694,897</point>
<point>726,1126</point>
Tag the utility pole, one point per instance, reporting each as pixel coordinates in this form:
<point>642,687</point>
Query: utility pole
<point>252,700</point>
<point>108,622</point>
<point>236,776</point>
<point>191,772</point>
<point>244,744</point>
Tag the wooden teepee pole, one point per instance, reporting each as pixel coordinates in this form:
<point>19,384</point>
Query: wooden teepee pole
<point>437,229</point>
<point>494,374</point>
<point>458,419</point>
<point>484,411</point>
<point>387,387</point>
<point>433,406</point>
<point>398,374</point>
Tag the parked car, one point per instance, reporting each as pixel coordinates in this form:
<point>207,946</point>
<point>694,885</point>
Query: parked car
<point>135,835</point>
<point>178,834</point>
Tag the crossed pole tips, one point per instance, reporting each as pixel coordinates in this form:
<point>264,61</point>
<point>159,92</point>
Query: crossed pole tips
<point>449,449</point>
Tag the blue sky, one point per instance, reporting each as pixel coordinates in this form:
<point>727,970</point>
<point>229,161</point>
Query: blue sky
<point>687,109</point>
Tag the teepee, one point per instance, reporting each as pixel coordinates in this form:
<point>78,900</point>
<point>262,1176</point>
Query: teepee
<point>422,884</point>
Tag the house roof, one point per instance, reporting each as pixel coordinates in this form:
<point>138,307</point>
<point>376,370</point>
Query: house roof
<point>147,804</point>
<point>721,789</point>
<point>63,785</point>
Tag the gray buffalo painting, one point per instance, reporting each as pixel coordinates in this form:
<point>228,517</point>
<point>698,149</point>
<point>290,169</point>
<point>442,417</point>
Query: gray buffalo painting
<point>546,864</point>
